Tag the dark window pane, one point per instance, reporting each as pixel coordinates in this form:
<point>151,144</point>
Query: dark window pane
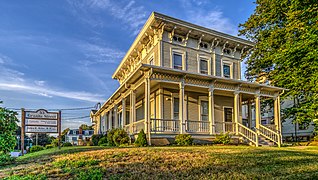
<point>228,114</point>
<point>176,108</point>
<point>204,66</point>
<point>177,61</point>
<point>226,71</point>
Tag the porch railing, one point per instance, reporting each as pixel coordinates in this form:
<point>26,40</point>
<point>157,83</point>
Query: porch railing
<point>135,127</point>
<point>269,134</point>
<point>271,127</point>
<point>248,133</point>
<point>197,126</point>
<point>224,127</point>
<point>164,125</point>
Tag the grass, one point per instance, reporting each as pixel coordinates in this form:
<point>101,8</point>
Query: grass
<point>195,162</point>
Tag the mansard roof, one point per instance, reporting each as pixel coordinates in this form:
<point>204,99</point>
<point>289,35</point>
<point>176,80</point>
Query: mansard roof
<point>157,22</point>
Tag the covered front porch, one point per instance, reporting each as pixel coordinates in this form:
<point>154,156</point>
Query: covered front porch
<point>169,102</point>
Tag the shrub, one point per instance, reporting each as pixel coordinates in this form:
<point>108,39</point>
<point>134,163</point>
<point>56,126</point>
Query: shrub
<point>223,138</point>
<point>49,146</point>
<point>36,148</point>
<point>5,159</point>
<point>67,144</point>
<point>95,139</point>
<point>110,135</point>
<point>55,142</point>
<point>120,137</point>
<point>89,143</point>
<point>141,139</point>
<point>103,141</point>
<point>184,140</point>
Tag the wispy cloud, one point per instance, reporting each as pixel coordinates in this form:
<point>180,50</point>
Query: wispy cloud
<point>128,13</point>
<point>210,18</point>
<point>95,54</point>
<point>13,80</point>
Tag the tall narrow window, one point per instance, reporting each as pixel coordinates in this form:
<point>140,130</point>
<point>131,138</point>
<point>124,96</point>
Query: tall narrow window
<point>226,70</point>
<point>228,115</point>
<point>151,62</point>
<point>177,61</point>
<point>176,108</point>
<point>204,110</point>
<point>203,66</point>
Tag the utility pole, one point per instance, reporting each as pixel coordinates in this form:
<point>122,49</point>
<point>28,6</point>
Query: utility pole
<point>22,130</point>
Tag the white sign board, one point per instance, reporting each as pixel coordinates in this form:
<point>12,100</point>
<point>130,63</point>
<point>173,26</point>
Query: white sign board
<point>40,129</point>
<point>41,122</point>
<point>40,114</point>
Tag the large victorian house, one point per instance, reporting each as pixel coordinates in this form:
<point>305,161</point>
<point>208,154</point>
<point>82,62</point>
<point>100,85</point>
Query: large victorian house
<point>181,78</point>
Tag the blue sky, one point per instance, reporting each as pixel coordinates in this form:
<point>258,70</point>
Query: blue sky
<point>62,53</point>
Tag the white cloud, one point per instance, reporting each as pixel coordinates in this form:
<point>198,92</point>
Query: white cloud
<point>98,54</point>
<point>128,13</point>
<point>47,92</point>
<point>214,20</point>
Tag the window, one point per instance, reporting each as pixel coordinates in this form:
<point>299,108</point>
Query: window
<point>151,61</point>
<point>226,71</point>
<point>204,45</point>
<point>178,39</point>
<point>203,66</point>
<point>177,61</point>
<point>175,108</point>
<point>303,126</point>
<point>228,115</point>
<point>204,110</point>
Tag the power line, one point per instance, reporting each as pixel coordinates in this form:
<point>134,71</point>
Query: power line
<point>81,117</point>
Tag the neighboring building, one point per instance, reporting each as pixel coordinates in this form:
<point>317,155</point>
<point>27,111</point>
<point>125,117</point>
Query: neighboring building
<point>78,136</point>
<point>180,78</point>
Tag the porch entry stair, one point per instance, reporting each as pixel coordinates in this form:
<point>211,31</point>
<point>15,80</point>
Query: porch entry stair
<point>262,136</point>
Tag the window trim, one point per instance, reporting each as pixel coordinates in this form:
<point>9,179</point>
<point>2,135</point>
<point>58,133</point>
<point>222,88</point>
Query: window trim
<point>173,96</point>
<point>208,59</point>
<point>229,107</point>
<point>183,55</point>
<point>151,58</point>
<point>229,63</point>
<point>202,98</point>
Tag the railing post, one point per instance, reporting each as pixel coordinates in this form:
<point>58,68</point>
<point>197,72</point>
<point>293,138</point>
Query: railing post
<point>236,110</point>
<point>277,119</point>
<point>256,140</point>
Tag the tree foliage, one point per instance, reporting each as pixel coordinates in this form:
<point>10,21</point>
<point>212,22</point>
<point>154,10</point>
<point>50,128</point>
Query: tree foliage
<point>86,127</point>
<point>286,51</point>
<point>43,139</point>
<point>8,127</point>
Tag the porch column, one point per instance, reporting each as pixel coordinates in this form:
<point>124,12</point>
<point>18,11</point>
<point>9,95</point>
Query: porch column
<point>147,108</point>
<point>116,116</point>
<point>257,111</point>
<point>110,119</point>
<point>249,113</point>
<point>181,107</point>
<point>277,118</point>
<point>211,110</point>
<point>123,117</point>
<point>132,108</point>
<point>236,110</point>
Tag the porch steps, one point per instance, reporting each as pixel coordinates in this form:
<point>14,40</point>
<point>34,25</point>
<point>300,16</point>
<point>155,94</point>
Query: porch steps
<point>265,142</point>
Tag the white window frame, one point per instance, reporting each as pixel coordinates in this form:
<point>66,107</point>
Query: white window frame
<point>151,58</point>
<point>183,55</point>
<point>208,59</point>
<point>229,63</point>
<point>229,107</point>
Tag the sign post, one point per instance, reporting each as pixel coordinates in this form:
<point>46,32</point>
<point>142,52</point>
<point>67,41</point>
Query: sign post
<point>40,121</point>
<point>22,130</point>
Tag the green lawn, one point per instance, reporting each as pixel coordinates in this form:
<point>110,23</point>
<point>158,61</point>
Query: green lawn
<point>195,162</point>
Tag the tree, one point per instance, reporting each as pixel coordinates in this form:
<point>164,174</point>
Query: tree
<point>64,133</point>
<point>86,127</point>
<point>286,52</point>
<point>8,127</point>
<point>43,139</point>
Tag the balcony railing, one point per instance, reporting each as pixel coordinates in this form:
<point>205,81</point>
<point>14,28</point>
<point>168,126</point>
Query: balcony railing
<point>197,126</point>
